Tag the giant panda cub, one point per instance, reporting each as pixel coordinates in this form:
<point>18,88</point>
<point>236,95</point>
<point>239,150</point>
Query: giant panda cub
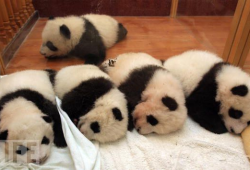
<point>86,37</point>
<point>29,121</point>
<point>155,98</point>
<point>217,93</point>
<point>92,102</point>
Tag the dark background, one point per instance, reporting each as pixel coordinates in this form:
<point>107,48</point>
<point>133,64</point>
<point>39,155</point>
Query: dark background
<point>48,8</point>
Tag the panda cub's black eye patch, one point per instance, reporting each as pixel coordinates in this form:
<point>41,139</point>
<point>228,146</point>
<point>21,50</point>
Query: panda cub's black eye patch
<point>22,150</point>
<point>152,120</point>
<point>51,46</point>
<point>4,135</point>
<point>241,90</point>
<point>236,114</point>
<point>170,103</point>
<point>95,127</point>
<point>117,114</point>
<point>45,140</point>
<point>47,119</point>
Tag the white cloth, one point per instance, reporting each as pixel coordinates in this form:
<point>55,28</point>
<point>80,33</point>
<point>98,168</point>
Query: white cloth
<point>192,148</point>
<point>80,154</point>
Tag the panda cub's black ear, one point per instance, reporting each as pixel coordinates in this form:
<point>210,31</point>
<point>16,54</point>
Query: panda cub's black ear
<point>47,119</point>
<point>51,17</point>
<point>240,90</point>
<point>64,30</point>
<point>4,135</point>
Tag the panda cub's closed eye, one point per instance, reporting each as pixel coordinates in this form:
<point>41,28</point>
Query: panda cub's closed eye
<point>236,114</point>
<point>22,150</point>
<point>152,120</point>
<point>117,114</point>
<point>95,127</point>
<point>47,119</point>
<point>45,141</point>
<point>51,46</point>
<point>170,103</point>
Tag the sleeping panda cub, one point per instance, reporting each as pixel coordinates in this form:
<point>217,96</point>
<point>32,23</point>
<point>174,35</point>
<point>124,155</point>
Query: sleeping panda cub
<point>29,121</point>
<point>92,102</point>
<point>217,93</point>
<point>155,98</point>
<point>86,37</point>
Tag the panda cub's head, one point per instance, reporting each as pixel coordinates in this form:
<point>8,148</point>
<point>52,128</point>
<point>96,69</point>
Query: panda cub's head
<point>60,35</point>
<point>234,96</point>
<point>27,132</point>
<point>108,120</point>
<point>162,107</point>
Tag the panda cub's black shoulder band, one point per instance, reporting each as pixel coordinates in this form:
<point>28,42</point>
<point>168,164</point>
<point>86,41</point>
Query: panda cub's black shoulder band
<point>205,110</point>
<point>42,103</point>
<point>81,99</point>
<point>52,74</point>
<point>135,84</point>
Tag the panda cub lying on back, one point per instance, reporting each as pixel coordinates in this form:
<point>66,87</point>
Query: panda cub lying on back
<point>86,37</point>
<point>217,93</point>
<point>92,102</point>
<point>155,98</point>
<point>28,114</point>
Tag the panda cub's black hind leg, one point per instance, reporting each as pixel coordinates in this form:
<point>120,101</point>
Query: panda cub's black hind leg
<point>201,116</point>
<point>121,33</point>
<point>93,59</point>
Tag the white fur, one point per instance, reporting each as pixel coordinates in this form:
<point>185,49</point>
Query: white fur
<point>30,79</point>
<point>23,119</point>
<point>189,67</point>
<point>227,78</point>
<point>71,76</point>
<point>161,85</point>
<point>127,62</point>
<point>111,129</point>
<point>51,32</point>
<point>107,27</point>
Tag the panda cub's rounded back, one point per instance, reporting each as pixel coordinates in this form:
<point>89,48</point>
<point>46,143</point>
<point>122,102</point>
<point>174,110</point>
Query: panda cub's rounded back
<point>216,92</point>
<point>85,37</point>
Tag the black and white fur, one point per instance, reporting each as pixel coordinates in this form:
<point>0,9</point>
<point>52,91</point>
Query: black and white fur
<point>86,37</point>
<point>217,92</point>
<point>156,101</point>
<point>28,113</point>
<point>92,102</point>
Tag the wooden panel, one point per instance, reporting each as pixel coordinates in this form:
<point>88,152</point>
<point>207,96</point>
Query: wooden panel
<point>16,13</point>
<point>2,66</point>
<point>5,18</point>
<point>206,7</point>
<point>13,23</point>
<point>13,46</point>
<point>111,7</point>
<point>239,44</point>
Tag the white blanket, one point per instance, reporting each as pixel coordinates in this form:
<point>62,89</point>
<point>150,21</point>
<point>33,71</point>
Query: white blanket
<point>192,148</point>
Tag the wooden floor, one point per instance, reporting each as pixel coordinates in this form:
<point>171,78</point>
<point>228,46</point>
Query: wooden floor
<point>161,37</point>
